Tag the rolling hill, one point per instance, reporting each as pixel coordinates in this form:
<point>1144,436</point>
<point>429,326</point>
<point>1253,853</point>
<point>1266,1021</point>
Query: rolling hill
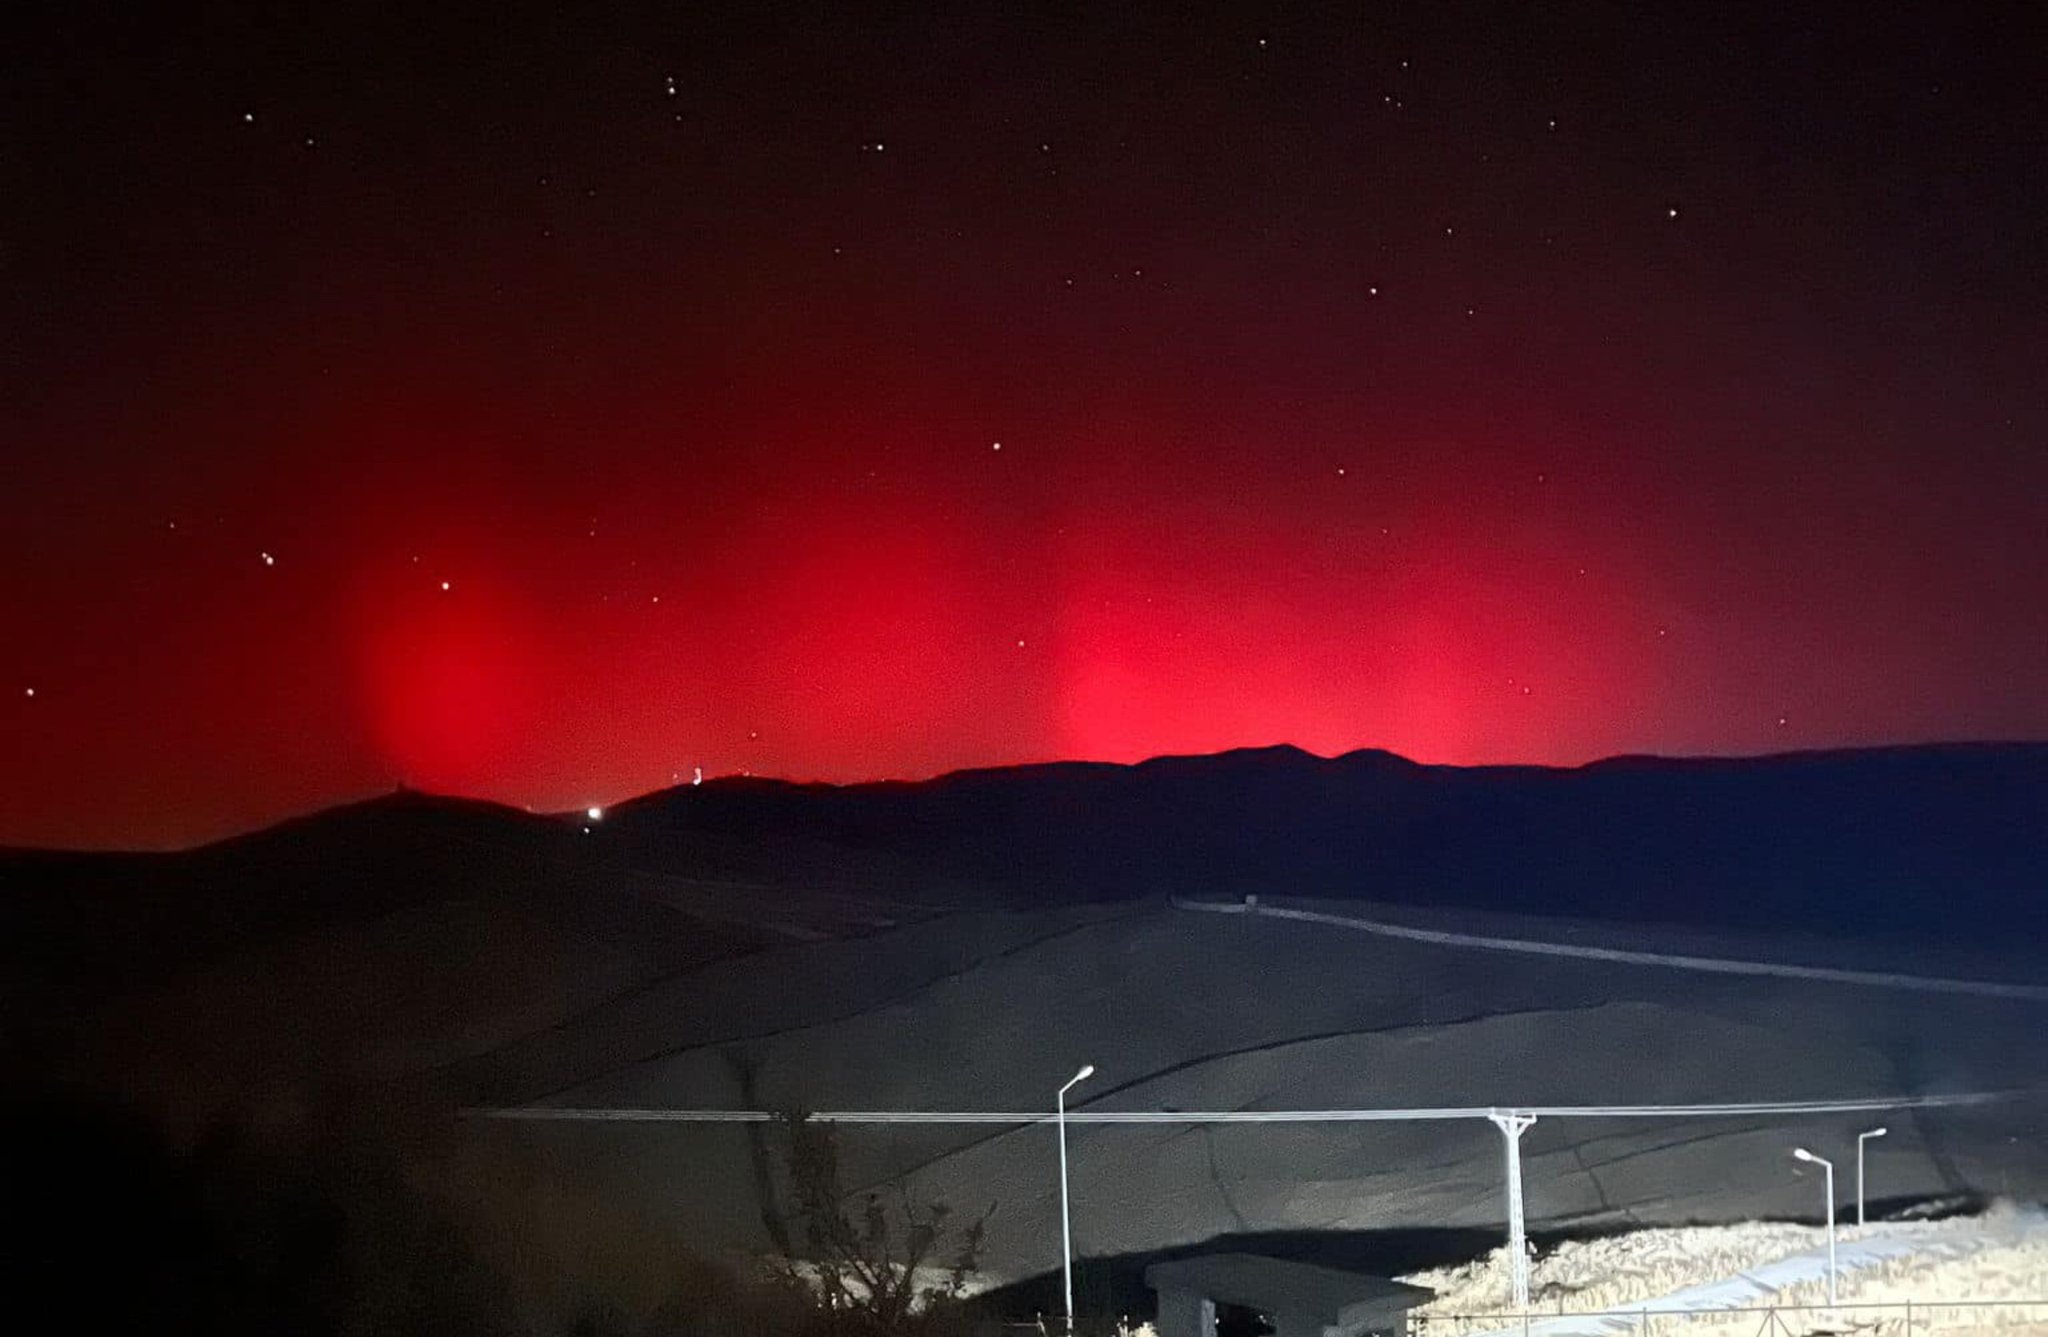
<point>964,943</point>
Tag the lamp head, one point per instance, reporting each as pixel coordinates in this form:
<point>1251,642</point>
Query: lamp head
<point>1087,1071</point>
<point>1802,1154</point>
<point>1875,1132</point>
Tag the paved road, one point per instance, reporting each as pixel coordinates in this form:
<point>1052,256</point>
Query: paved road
<point>1712,965</point>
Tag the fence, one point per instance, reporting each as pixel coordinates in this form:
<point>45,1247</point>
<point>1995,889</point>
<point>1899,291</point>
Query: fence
<point>1902,1318</point>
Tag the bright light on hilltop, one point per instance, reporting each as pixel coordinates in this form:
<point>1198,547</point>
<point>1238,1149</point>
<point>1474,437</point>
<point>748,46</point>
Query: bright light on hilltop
<point>594,814</point>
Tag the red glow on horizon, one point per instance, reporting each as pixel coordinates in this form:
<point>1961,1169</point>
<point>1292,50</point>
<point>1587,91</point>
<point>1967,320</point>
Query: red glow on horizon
<point>448,686</point>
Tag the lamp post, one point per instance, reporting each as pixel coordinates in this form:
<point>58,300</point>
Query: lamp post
<point>1802,1154</point>
<point>1066,1219</point>
<point>1862,1138</point>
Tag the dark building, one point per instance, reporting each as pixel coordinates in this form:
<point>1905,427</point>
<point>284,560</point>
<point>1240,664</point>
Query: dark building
<point>1300,1299</point>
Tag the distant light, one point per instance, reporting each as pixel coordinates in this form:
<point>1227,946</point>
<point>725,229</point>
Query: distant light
<point>697,776</point>
<point>594,814</point>
<point>31,691</point>
<point>268,560</point>
<point>444,586</point>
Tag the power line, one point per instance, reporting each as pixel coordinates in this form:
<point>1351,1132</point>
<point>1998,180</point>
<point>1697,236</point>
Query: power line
<point>1016,1118</point>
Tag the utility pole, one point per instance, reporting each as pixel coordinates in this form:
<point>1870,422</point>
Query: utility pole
<point>1512,1126</point>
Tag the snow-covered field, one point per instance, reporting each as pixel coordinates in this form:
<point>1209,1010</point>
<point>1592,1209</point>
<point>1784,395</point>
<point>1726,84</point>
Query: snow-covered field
<point>1945,1269</point>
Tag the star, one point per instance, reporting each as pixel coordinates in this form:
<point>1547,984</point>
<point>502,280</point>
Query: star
<point>1671,212</point>
<point>248,118</point>
<point>444,587</point>
<point>32,691</point>
<point>997,446</point>
<point>268,560</point>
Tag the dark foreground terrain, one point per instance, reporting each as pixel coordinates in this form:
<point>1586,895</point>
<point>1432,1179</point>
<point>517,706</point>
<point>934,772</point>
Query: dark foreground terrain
<point>359,976</point>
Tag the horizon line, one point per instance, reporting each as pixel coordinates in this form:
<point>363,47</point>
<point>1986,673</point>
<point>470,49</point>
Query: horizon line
<point>402,788</point>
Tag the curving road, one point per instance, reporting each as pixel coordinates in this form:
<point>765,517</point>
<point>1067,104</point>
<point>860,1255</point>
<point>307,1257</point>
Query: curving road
<point>1712,965</point>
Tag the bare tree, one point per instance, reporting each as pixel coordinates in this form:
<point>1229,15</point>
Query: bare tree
<point>874,1264</point>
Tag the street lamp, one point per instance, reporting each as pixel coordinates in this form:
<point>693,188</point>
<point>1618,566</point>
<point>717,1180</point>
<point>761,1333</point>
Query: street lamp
<point>1066,1218</point>
<point>1861,1138</point>
<point>1802,1154</point>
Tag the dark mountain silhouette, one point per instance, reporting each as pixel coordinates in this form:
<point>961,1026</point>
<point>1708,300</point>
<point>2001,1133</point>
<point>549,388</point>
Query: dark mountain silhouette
<point>964,943</point>
<point>1949,841</point>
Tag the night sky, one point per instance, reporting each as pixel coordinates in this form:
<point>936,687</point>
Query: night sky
<point>543,405</point>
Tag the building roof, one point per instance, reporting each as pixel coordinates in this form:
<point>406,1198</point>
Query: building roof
<point>1328,1295</point>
